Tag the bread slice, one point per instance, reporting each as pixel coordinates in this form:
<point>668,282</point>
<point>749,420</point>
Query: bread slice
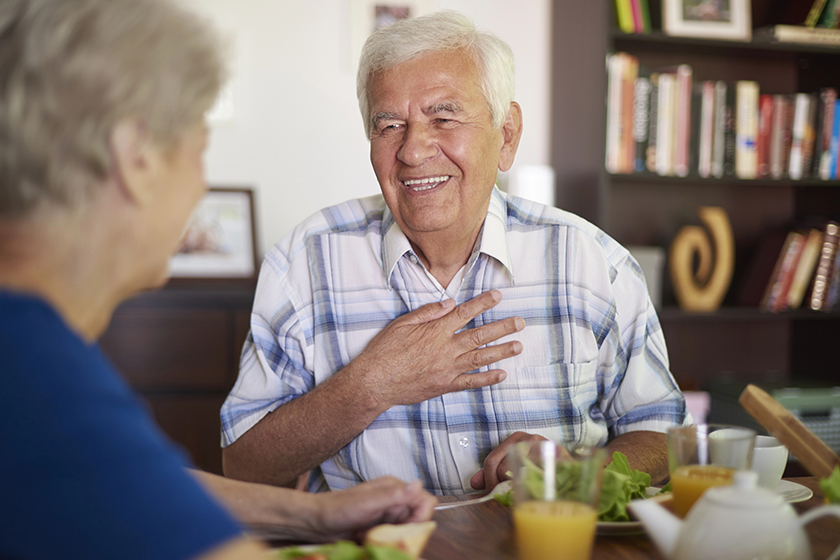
<point>411,538</point>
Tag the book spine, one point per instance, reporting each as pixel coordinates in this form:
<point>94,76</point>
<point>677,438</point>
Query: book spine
<point>776,136</point>
<point>625,15</point>
<point>804,268</point>
<point>729,134</point>
<point>707,129</point>
<point>833,295</point>
<point>800,117</point>
<point>646,16</point>
<point>719,142</point>
<point>641,121</point>
<point>776,292</point>
<point>787,135</point>
<point>828,127</point>
<point>628,144</point>
<point>615,71</point>
<point>664,164</point>
<point>636,11</point>
<point>822,276</point>
<point>653,115</point>
<point>765,126</point>
<point>835,143</point>
<point>814,13</point>
<point>746,128</point>
<point>809,136</point>
<point>683,114</point>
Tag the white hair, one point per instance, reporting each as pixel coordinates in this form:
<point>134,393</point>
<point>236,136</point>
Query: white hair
<point>71,69</point>
<point>445,30</point>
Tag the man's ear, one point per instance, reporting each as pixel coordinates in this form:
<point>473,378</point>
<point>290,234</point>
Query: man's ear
<point>133,156</point>
<point>511,134</point>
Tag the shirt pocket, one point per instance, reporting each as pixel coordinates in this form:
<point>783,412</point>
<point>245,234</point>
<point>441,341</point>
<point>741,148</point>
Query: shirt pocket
<point>557,401</point>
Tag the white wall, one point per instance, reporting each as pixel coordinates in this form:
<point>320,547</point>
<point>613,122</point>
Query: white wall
<point>297,135</point>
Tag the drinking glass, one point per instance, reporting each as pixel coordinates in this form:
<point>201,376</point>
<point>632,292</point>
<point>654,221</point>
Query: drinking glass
<point>555,499</point>
<point>703,456</point>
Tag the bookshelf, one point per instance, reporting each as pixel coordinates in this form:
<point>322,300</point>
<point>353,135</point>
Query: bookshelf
<point>734,342</point>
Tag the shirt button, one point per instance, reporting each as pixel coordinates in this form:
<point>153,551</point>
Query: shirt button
<point>464,442</point>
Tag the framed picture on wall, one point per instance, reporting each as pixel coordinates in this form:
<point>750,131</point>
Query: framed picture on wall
<point>219,241</point>
<point>710,19</point>
<point>368,15</point>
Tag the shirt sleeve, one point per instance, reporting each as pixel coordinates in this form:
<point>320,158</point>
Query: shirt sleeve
<point>273,367</point>
<point>642,393</point>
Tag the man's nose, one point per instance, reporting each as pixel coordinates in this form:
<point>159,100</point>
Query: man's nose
<point>419,145</point>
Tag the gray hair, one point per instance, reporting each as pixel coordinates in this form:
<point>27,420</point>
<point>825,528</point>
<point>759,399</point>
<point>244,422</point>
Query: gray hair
<point>71,69</point>
<point>441,31</point>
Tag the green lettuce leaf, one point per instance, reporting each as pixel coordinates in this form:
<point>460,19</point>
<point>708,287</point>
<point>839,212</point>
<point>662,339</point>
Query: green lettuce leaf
<point>831,486</point>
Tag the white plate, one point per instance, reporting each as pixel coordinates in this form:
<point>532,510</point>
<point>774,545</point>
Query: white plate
<point>793,492</point>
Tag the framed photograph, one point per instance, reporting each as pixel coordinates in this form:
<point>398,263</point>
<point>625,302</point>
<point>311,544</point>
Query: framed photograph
<point>709,19</point>
<point>219,241</point>
<point>368,15</point>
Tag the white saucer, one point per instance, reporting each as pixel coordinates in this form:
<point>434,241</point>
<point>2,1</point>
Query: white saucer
<point>793,492</point>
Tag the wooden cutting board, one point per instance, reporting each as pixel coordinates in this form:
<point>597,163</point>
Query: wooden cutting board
<point>812,452</point>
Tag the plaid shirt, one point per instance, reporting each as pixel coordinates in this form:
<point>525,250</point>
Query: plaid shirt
<point>594,363</point>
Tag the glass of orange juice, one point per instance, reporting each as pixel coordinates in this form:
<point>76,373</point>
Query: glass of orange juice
<point>555,499</point>
<point>703,456</point>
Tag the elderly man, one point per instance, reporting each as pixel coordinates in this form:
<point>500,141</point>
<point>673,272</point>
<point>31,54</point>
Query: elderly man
<point>359,363</point>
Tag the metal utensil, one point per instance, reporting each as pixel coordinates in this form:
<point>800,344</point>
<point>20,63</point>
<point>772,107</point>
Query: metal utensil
<point>500,488</point>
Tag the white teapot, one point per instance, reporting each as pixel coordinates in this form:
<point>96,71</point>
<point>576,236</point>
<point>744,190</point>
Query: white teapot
<point>737,522</point>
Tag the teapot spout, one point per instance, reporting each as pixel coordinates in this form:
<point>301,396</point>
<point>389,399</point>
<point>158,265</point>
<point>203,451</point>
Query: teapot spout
<point>663,526</point>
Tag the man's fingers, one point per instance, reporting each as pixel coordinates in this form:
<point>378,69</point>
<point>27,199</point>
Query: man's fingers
<point>467,381</point>
<point>481,357</point>
<point>471,309</point>
<point>428,312</point>
<point>477,480</point>
<point>480,336</point>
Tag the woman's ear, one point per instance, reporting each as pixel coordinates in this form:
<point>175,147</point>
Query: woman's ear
<point>134,157</point>
<point>511,134</point>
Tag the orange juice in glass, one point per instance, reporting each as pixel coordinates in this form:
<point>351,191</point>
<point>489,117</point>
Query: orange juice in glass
<point>551,522</point>
<point>689,482</point>
<point>703,456</point>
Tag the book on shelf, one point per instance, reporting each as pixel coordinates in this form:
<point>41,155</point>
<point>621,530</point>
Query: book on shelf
<point>706,138</point>
<point>641,122</point>
<point>822,136</point>
<point>802,34</point>
<point>683,112</point>
<point>624,14</point>
<point>801,112</point>
<point>776,293</point>
<point>746,128</point>
<point>666,124</point>
<point>719,142</point>
<point>765,127</point>
<point>832,298</point>
<point>814,13</point>
<point>805,266</point>
<point>818,298</point>
<point>653,124</point>
<point>830,16</point>
<point>832,158</point>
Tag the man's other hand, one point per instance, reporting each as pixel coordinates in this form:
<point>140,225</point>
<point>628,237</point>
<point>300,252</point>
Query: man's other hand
<point>496,464</point>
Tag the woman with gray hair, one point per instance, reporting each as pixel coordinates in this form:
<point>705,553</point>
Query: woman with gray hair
<point>101,142</point>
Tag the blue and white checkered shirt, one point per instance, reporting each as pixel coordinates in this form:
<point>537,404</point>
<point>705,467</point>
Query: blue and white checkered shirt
<point>594,363</point>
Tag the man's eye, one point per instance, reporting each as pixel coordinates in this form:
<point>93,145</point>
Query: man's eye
<point>389,128</point>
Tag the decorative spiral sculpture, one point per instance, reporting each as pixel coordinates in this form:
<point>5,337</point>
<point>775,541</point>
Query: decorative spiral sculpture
<point>703,289</point>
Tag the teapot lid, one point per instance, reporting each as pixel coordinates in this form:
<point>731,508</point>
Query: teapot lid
<point>744,493</point>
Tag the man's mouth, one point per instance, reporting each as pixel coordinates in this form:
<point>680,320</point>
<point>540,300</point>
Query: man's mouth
<point>419,185</point>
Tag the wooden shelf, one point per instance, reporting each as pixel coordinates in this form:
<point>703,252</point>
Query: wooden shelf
<point>674,314</point>
<point>760,42</point>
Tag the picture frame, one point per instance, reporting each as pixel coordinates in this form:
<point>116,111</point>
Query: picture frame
<point>709,19</point>
<point>219,241</point>
<point>367,15</point>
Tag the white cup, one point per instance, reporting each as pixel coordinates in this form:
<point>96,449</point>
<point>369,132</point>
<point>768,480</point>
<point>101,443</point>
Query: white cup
<point>769,461</point>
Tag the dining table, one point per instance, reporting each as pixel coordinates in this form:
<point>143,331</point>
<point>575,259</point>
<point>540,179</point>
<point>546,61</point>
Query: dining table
<point>484,531</point>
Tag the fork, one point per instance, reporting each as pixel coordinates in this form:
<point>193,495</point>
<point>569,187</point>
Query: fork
<point>500,488</point>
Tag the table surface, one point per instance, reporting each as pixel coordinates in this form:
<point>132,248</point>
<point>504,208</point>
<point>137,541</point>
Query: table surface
<point>484,532</point>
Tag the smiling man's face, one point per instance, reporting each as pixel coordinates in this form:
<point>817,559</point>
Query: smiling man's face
<point>433,146</point>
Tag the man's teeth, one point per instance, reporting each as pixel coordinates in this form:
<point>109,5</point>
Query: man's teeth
<point>425,184</point>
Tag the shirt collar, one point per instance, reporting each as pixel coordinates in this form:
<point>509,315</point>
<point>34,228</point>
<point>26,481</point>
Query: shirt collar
<point>492,241</point>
